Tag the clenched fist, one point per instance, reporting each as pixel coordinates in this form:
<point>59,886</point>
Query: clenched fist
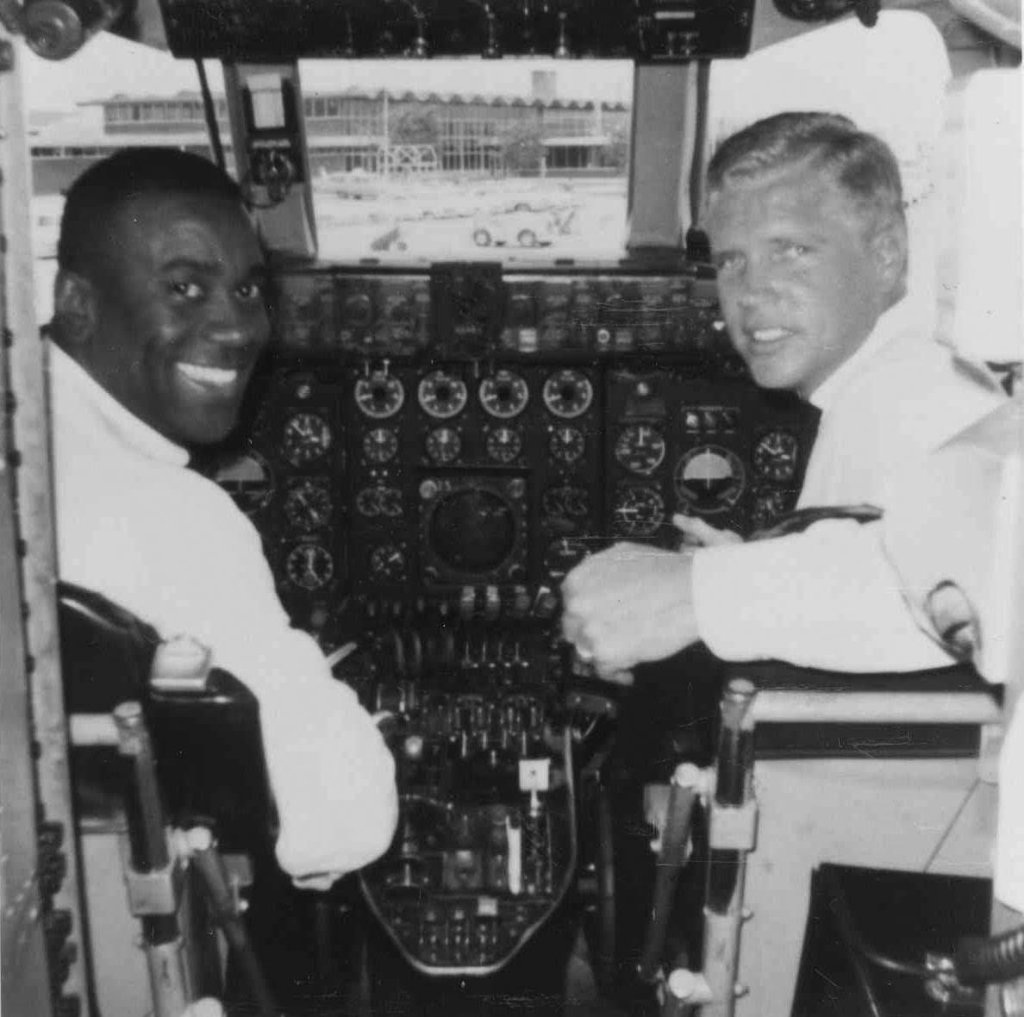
<point>627,605</point>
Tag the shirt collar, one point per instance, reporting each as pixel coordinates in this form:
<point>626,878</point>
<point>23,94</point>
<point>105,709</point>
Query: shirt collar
<point>890,324</point>
<point>85,395</point>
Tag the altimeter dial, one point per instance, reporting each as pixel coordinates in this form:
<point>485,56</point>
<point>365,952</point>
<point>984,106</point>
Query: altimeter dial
<point>306,437</point>
<point>640,448</point>
<point>307,505</point>
<point>309,566</point>
<point>638,511</point>
<point>387,563</point>
<point>775,456</point>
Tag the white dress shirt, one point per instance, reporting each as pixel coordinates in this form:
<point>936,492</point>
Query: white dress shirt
<point>136,525</point>
<point>958,519</point>
<point>828,597</point>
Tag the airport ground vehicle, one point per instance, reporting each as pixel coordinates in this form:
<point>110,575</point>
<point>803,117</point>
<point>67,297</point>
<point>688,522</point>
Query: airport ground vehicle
<point>417,395</point>
<point>524,228</point>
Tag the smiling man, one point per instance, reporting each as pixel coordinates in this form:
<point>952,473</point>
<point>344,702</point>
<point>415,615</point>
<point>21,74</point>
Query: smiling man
<point>806,223</point>
<point>160,317</point>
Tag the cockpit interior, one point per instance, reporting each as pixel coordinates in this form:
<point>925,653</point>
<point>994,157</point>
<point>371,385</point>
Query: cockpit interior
<point>497,350</point>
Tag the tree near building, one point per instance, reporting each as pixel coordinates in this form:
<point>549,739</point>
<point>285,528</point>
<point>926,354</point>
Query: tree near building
<point>415,127</point>
<point>522,148</point>
<point>617,152</point>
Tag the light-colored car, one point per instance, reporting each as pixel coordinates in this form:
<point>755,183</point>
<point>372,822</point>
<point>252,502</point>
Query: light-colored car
<point>522,229</point>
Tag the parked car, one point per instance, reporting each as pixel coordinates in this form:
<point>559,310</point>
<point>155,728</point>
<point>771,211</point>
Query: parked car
<point>524,229</point>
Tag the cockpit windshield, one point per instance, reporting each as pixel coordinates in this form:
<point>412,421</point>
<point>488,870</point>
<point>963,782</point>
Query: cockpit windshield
<point>521,161</point>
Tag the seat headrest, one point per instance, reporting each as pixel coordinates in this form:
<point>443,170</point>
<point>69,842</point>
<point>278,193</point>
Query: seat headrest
<point>106,651</point>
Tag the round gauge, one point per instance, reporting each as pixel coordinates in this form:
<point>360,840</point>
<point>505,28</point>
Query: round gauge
<point>248,480</point>
<point>397,320</point>
<point>564,554</point>
<point>379,501</point>
<point>640,448</point>
<point>564,502</point>
<point>357,310</point>
<point>399,310</point>
<point>504,394</point>
<point>390,501</point>
<point>380,445</point>
<point>638,511</point>
<point>309,566</point>
<point>443,445</point>
<point>442,395</point>
<point>566,444</point>
<point>709,479</point>
<point>307,505</point>
<point>472,529</point>
<point>504,444</point>
<point>775,456</point>
<point>368,502</point>
<point>306,437</point>
<point>387,563</point>
<point>380,395</point>
<point>568,393</point>
<point>767,507</point>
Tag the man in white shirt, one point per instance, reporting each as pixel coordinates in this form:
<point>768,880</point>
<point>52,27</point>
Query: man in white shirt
<point>159,319</point>
<point>806,224</point>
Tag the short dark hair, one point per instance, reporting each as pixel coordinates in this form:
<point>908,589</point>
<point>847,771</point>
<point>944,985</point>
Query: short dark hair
<point>860,163</point>
<point>95,197</point>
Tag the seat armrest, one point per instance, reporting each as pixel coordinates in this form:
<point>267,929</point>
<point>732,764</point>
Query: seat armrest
<point>805,712</point>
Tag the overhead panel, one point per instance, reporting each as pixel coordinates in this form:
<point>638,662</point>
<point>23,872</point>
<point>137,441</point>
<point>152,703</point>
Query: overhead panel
<point>645,30</point>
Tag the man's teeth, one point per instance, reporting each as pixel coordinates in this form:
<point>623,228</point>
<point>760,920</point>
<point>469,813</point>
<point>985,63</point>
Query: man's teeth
<point>206,375</point>
<point>767,335</point>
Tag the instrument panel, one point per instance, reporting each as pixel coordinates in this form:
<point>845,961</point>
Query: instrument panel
<point>431,454</point>
<point>402,452</point>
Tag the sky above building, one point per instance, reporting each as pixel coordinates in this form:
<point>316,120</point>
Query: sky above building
<point>108,64</point>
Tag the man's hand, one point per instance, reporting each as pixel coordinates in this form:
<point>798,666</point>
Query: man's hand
<point>629,604</point>
<point>697,533</point>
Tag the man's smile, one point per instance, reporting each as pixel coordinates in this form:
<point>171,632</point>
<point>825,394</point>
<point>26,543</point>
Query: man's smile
<point>214,379</point>
<point>762,340</point>
<point>768,335</point>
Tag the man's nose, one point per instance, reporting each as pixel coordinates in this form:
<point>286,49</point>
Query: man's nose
<point>758,282</point>
<point>238,323</point>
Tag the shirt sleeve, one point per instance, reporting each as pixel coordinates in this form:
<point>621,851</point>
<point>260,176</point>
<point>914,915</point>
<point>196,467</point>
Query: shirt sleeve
<point>824,598</point>
<point>197,567</point>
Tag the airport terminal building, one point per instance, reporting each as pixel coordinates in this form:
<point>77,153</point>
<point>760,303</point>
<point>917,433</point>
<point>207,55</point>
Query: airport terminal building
<point>373,131</point>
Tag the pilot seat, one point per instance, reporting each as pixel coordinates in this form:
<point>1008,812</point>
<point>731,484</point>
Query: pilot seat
<point>166,752</point>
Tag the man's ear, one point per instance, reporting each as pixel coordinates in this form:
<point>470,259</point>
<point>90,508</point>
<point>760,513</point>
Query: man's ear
<point>889,246</point>
<point>74,310</point>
